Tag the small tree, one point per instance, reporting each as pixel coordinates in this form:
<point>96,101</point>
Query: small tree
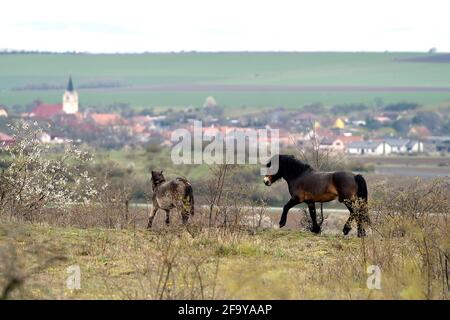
<point>36,177</point>
<point>210,102</point>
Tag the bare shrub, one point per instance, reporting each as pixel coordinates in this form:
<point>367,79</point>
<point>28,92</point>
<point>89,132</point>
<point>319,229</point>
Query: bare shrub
<point>410,244</point>
<point>419,214</point>
<point>168,265</point>
<point>228,201</point>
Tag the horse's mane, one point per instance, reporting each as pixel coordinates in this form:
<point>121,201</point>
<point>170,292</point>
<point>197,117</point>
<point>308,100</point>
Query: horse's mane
<point>294,164</point>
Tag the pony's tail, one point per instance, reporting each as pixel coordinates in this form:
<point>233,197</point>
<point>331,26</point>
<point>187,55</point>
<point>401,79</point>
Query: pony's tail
<point>362,187</point>
<point>188,199</point>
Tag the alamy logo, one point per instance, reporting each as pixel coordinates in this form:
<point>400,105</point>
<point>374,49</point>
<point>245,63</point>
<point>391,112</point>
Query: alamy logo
<point>374,280</point>
<point>73,281</point>
<point>228,146</point>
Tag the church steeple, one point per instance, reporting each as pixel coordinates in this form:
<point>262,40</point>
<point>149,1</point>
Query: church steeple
<point>70,85</point>
<point>70,99</point>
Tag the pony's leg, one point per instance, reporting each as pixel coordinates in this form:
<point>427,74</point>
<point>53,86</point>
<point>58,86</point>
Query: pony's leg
<point>186,209</point>
<point>152,216</point>
<point>348,224</point>
<point>362,219</point>
<point>312,212</point>
<point>184,217</point>
<point>292,202</point>
<point>361,230</point>
<point>167,216</point>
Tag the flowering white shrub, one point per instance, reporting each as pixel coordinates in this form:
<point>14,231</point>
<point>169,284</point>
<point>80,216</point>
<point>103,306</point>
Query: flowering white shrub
<point>37,177</point>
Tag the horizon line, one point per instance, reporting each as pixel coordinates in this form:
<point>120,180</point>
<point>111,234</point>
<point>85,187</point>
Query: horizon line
<point>24,51</point>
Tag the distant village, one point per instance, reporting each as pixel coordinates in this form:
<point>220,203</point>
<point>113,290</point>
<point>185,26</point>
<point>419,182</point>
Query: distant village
<point>350,135</point>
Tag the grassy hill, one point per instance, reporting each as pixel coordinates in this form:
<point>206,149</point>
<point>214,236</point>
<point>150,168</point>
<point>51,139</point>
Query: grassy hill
<point>117,264</point>
<point>234,79</point>
<point>174,264</point>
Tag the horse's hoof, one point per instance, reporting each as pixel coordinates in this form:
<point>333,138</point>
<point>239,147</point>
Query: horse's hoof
<point>282,224</point>
<point>315,229</point>
<point>361,233</point>
<point>346,230</point>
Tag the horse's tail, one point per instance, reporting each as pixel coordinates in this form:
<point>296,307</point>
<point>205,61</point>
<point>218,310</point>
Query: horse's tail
<point>362,193</point>
<point>362,187</point>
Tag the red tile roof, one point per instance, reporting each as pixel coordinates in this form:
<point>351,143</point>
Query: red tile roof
<point>107,119</point>
<point>6,139</point>
<point>46,111</point>
<point>349,139</point>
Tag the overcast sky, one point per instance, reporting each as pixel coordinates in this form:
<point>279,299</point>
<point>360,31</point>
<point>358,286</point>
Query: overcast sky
<point>225,25</point>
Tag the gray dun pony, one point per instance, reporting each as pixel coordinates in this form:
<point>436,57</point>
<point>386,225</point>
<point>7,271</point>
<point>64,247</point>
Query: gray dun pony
<point>167,195</point>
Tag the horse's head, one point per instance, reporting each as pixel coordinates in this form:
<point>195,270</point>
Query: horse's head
<point>157,178</point>
<point>284,166</point>
<point>272,167</point>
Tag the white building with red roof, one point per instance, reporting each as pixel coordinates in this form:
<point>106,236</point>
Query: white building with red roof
<point>69,105</point>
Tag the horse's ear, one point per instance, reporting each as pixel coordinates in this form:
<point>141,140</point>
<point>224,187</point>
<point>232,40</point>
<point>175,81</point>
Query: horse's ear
<point>161,171</point>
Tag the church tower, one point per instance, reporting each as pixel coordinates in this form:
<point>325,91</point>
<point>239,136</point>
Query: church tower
<point>70,99</point>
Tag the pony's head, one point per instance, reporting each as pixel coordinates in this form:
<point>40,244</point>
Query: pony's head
<point>271,178</point>
<point>284,166</point>
<point>157,178</point>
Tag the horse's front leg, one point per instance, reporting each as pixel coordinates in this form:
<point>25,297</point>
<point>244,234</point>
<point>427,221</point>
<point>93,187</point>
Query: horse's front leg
<point>152,216</point>
<point>312,212</point>
<point>167,216</point>
<point>292,202</point>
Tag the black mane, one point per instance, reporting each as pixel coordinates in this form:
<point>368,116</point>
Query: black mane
<point>294,164</point>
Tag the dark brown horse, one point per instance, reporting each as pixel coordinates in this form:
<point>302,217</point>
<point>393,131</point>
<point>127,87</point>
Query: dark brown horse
<point>174,194</point>
<point>311,186</point>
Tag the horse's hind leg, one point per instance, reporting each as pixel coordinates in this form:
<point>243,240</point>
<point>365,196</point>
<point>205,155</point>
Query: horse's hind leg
<point>312,212</point>
<point>187,209</point>
<point>348,224</point>
<point>357,213</point>
<point>362,219</point>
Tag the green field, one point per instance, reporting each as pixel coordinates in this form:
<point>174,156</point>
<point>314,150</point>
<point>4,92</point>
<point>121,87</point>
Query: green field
<point>172,80</point>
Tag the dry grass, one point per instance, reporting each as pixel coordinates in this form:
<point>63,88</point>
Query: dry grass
<point>172,263</point>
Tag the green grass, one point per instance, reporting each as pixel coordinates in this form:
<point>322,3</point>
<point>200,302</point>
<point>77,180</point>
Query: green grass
<point>378,69</point>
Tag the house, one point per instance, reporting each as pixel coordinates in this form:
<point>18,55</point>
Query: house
<point>3,112</point>
<point>320,133</point>
<point>405,145</point>
<point>359,123</point>
<point>415,146</point>
<point>339,123</point>
<point>106,119</point>
<point>340,143</point>
<point>382,119</point>
<point>419,132</point>
<point>69,105</point>
<point>369,148</point>
<point>6,140</point>
<point>439,143</point>
<point>46,111</point>
<point>45,137</point>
